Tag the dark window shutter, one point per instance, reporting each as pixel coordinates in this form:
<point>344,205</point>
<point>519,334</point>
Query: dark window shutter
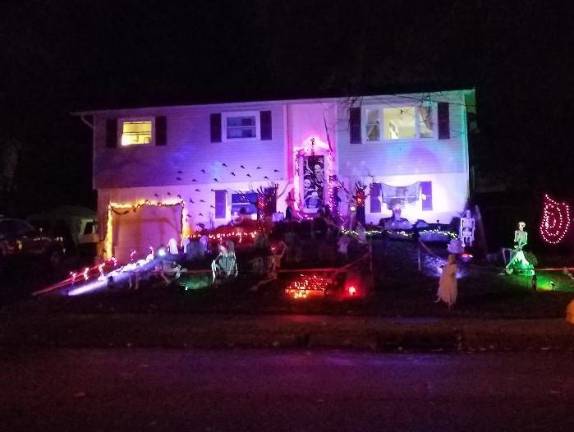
<point>220,204</point>
<point>375,196</point>
<point>160,131</point>
<point>265,120</point>
<point>215,126</point>
<point>111,133</point>
<point>426,195</point>
<point>443,121</point>
<point>355,125</point>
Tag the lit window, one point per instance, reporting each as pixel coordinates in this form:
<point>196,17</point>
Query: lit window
<point>244,203</point>
<point>241,125</point>
<point>136,132</point>
<point>372,127</point>
<point>399,123</point>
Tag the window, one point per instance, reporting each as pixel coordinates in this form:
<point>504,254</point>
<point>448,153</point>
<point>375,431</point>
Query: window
<point>243,125</point>
<point>396,123</point>
<point>425,121</point>
<point>244,203</point>
<point>135,132</point>
<point>399,123</point>
<point>220,204</point>
<point>372,126</point>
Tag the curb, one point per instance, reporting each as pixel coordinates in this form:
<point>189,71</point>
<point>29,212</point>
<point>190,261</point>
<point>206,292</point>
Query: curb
<point>299,332</point>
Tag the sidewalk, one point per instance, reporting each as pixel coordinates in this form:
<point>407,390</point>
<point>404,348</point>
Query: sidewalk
<point>282,331</point>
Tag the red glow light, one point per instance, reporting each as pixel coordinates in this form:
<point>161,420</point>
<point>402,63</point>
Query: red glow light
<point>352,290</point>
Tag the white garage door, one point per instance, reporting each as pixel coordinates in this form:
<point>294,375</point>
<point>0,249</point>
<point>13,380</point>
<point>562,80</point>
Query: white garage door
<point>148,226</point>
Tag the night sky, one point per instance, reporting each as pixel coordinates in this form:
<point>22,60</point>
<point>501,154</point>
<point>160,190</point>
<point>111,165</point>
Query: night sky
<point>61,56</point>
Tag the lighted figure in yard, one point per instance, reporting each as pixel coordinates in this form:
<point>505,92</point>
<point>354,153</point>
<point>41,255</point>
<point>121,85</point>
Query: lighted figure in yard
<point>272,263</point>
<point>518,261</point>
<point>224,266</point>
<point>466,229</point>
<point>447,286</point>
<point>172,246</point>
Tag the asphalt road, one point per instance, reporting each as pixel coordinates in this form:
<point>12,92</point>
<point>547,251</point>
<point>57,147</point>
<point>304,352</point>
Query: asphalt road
<point>172,390</point>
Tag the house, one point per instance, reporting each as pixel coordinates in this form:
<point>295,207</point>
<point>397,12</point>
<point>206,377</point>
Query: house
<point>160,171</point>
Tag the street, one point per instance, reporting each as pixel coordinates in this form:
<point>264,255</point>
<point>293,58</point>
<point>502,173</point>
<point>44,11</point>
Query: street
<point>235,390</point>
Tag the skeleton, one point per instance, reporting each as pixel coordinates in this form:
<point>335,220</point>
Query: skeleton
<point>466,229</point>
<point>518,259</point>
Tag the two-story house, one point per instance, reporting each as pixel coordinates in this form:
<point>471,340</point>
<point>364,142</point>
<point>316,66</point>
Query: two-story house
<point>160,171</point>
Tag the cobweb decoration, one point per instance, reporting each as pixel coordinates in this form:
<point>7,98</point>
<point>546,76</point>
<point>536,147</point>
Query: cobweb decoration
<point>555,220</point>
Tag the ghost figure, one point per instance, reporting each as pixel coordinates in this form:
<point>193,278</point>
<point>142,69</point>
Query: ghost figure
<point>466,230</point>
<point>172,246</point>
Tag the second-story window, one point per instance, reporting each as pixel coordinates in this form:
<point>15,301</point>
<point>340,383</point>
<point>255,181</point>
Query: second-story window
<point>243,125</point>
<point>399,123</point>
<point>135,132</point>
<point>373,126</point>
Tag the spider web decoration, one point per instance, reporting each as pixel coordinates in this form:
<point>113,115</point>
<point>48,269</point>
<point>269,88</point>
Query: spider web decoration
<point>555,220</point>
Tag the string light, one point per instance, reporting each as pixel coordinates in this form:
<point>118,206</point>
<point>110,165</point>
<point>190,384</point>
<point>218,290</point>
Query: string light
<point>240,235</point>
<point>555,220</point>
<point>308,286</point>
<point>436,234</point>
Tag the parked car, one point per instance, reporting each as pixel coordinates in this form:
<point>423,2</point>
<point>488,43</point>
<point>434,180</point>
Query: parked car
<point>20,240</point>
<point>76,225</point>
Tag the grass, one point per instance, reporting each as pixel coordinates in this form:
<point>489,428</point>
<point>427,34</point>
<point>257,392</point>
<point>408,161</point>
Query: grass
<point>400,291</point>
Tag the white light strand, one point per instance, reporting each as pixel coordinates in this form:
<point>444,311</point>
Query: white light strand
<point>555,220</point>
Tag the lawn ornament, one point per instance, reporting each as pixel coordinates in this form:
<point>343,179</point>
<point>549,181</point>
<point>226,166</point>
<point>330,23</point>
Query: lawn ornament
<point>447,288</point>
<point>518,262</point>
<point>224,266</point>
<point>466,229</point>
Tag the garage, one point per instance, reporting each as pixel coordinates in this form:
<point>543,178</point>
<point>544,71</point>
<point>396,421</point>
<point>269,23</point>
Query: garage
<point>139,228</point>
